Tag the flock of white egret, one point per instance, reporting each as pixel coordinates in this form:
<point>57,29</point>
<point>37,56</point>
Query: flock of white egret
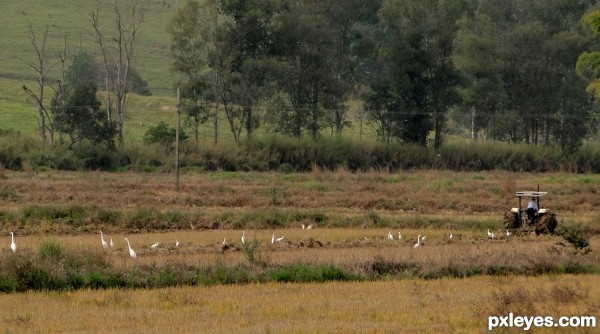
<point>156,245</point>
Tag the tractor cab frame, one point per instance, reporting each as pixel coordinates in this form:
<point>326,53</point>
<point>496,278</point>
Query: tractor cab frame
<point>523,220</point>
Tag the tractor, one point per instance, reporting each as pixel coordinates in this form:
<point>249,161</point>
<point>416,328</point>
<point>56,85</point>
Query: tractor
<point>527,220</point>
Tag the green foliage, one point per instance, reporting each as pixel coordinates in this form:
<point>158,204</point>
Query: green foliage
<point>8,284</point>
<point>71,214</point>
<point>163,134</point>
<point>576,236</point>
<point>76,111</point>
<point>51,250</point>
<point>310,273</point>
<point>251,250</point>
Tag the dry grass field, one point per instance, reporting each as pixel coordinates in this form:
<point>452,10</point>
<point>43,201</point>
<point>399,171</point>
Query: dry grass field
<point>443,286</point>
<point>405,306</point>
<point>436,199</point>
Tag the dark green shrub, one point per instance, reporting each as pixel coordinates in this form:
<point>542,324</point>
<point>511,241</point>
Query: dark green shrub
<point>95,157</point>
<point>51,250</point>
<point>576,236</point>
<point>7,283</point>
<point>73,214</point>
<point>108,216</point>
<point>103,280</point>
<point>308,273</point>
<point>163,134</point>
<point>163,277</point>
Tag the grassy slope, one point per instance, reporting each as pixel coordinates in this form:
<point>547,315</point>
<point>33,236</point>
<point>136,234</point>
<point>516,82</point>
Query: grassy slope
<point>68,18</point>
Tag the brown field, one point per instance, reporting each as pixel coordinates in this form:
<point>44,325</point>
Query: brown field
<point>405,306</point>
<point>460,201</point>
<point>355,213</point>
<point>341,247</point>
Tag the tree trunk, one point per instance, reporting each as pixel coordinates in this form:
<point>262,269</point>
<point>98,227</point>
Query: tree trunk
<point>473,135</point>
<point>248,113</point>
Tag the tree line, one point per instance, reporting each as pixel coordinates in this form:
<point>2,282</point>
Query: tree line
<point>502,70</point>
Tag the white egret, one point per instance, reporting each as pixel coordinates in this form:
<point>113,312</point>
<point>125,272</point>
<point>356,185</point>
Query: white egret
<point>155,245</point>
<point>423,238</point>
<point>176,243</point>
<point>273,239</point>
<point>418,241</point>
<point>303,226</point>
<point>244,237</point>
<point>390,236</point>
<point>279,239</point>
<point>399,236</point>
<point>493,236</point>
<point>111,243</point>
<point>224,242</point>
<point>131,251</point>
<point>508,233</point>
<point>450,237</point>
<point>309,227</point>
<point>104,243</point>
<point>13,245</point>
<point>489,234</point>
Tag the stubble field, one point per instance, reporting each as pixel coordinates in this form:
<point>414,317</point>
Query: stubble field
<point>444,285</point>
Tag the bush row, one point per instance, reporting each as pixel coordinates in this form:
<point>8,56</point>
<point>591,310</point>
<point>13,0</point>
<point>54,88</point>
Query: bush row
<point>55,268</point>
<point>89,218</point>
<point>83,218</point>
<point>80,218</point>
<point>292,154</point>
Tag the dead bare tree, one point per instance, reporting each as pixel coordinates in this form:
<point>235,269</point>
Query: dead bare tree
<point>117,52</point>
<point>41,67</point>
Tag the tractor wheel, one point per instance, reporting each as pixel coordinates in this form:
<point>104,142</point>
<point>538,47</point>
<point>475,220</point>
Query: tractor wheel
<point>511,220</point>
<point>546,224</point>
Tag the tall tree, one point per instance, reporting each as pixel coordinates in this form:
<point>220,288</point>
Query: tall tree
<point>41,67</point>
<point>245,44</point>
<point>192,32</point>
<point>303,46</point>
<point>118,51</point>
<point>476,55</point>
<point>78,114</point>
<point>424,32</point>
<point>588,63</point>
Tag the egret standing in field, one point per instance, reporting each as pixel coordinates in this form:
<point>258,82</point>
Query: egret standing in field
<point>13,245</point>
<point>418,241</point>
<point>243,237</point>
<point>155,245</point>
<point>279,239</point>
<point>104,243</point>
<point>176,243</point>
<point>131,251</point>
<point>450,236</point>
<point>111,243</point>
<point>508,233</point>
<point>390,236</point>
<point>273,239</point>
<point>399,236</point>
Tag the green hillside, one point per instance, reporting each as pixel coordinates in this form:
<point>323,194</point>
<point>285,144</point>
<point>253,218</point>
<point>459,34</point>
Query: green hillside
<point>69,18</point>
